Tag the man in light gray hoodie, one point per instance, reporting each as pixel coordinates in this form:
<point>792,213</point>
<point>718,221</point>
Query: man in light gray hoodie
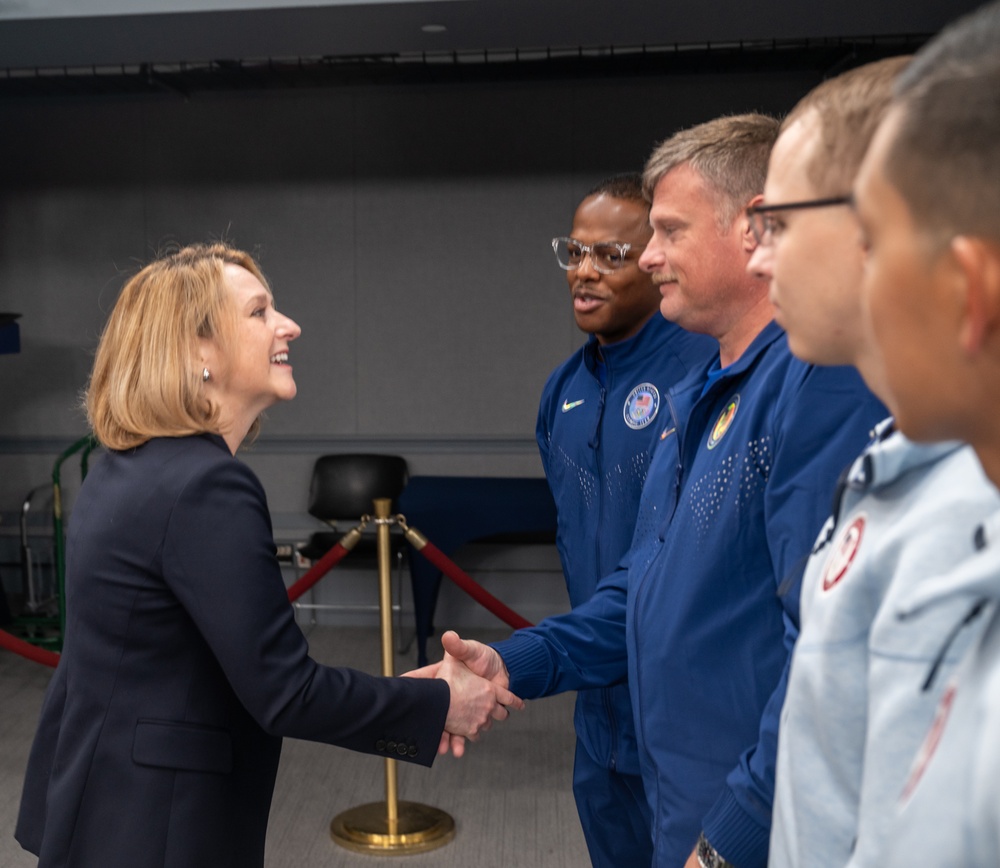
<point>856,707</point>
<point>928,198</point>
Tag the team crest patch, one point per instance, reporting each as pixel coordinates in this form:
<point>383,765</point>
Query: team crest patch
<point>844,552</point>
<point>641,406</point>
<point>723,422</point>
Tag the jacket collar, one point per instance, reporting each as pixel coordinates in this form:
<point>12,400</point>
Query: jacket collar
<point>687,392</point>
<point>765,337</point>
<point>646,342</point>
<point>215,439</point>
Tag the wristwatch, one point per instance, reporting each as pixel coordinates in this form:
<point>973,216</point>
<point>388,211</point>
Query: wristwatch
<point>708,856</point>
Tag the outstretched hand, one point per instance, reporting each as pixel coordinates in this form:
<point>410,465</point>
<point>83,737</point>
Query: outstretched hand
<point>480,658</point>
<point>478,680</point>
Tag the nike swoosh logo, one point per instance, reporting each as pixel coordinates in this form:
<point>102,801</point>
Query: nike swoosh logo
<point>569,405</point>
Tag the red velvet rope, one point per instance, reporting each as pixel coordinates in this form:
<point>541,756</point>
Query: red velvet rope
<point>26,649</point>
<point>479,594</point>
<point>317,571</point>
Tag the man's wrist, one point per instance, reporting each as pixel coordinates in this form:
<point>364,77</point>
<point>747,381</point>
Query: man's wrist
<point>708,856</point>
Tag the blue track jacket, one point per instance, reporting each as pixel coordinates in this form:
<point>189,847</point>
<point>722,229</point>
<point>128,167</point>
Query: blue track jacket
<point>701,614</point>
<point>595,442</point>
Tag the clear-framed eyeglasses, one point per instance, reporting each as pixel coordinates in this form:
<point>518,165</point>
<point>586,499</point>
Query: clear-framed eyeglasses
<point>765,220</point>
<point>606,256</point>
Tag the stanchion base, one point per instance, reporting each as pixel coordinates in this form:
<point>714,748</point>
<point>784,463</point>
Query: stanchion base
<point>419,828</point>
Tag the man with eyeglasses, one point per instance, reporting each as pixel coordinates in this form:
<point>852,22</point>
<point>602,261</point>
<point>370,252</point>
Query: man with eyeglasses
<point>926,197</point>
<point>701,614</point>
<point>597,423</point>
<point>858,700</point>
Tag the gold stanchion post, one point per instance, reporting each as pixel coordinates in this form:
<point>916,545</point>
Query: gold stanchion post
<point>390,827</point>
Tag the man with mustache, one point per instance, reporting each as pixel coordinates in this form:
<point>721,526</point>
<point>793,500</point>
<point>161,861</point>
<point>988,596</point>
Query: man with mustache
<point>702,613</point>
<point>596,429</point>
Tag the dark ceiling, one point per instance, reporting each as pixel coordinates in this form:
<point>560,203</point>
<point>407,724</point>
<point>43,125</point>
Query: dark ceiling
<point>334,43</point>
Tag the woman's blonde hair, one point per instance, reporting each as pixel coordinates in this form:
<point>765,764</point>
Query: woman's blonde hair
<point>146,381</point>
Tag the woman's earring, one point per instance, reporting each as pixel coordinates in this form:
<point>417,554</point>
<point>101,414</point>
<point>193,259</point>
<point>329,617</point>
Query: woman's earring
<point>205,375</point>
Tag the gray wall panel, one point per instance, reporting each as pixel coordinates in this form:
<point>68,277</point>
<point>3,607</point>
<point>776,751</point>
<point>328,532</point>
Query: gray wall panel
<point>61,259</point>
<point>303,238</point>
<point>427,300</point>
<point>405,228</point>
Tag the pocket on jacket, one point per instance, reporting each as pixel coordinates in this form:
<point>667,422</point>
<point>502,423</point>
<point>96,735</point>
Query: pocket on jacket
<point>183,746</point>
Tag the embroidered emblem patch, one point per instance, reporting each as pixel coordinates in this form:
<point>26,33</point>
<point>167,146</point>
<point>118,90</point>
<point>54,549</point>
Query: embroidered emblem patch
<point>723,422</point>
<point>641,406</point>
<point>844,551</point>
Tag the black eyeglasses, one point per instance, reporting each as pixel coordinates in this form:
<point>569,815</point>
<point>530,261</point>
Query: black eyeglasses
<point>764,225</point>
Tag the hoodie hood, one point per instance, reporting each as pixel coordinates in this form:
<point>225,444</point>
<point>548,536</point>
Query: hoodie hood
<point>891,455</point>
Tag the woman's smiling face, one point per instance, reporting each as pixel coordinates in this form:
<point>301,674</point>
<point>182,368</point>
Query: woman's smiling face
<point>255,373</point>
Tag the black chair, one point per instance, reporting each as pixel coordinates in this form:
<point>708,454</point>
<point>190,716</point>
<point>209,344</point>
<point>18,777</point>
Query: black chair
<point>342,489</point>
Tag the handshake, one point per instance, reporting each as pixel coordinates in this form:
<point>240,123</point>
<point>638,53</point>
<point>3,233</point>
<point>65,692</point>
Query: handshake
<point>478,680</point>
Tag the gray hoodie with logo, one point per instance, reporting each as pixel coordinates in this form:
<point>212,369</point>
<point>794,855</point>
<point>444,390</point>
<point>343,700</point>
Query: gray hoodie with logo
<point>865,681</point>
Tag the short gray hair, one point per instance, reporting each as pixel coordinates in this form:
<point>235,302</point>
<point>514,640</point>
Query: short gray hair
<point>730,153</point>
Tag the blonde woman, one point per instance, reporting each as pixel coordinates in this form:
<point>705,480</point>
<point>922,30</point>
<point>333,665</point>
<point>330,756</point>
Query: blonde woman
<point>183,666</point>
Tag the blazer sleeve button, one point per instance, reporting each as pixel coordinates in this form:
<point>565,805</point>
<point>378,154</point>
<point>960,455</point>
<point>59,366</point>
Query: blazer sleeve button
<point>401,749</point>
<point>413,750</point>
<point>380,744</point>
<point>390,746</point>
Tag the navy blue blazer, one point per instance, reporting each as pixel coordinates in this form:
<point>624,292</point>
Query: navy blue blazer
<point>182,668</point>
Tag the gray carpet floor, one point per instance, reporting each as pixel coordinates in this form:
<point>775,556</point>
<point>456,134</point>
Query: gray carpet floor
<point>510,795</point>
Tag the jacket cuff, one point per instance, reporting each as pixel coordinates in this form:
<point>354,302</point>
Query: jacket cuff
<point>527,663</point>
<point>737,837</point>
